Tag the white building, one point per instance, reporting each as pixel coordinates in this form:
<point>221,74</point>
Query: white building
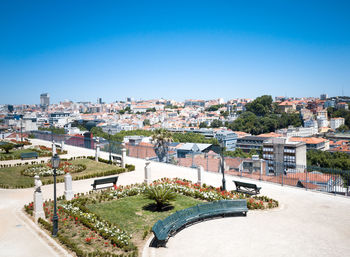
<point>311,123</point>
<point>298,132</point>
<point>322,122</point>
<point>336,123</point>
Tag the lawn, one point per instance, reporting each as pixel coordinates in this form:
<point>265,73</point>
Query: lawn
<point>136,213</point>
<point>11,177</point>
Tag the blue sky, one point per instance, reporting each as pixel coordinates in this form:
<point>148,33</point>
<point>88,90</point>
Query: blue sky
<point>81,50</point>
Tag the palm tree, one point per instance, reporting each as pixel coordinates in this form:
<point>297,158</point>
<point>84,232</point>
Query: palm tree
<point>161,140</point>
<point>162,194</point>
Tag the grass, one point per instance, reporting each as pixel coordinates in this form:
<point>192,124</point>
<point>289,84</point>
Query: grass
<point>135,214</point>
<point>11,177</point>
<point>16,154</point>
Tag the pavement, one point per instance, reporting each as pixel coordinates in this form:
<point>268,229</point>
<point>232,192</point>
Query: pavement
<point>306,223</point>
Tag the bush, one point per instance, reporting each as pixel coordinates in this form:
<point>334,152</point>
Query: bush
<point>162,194</point>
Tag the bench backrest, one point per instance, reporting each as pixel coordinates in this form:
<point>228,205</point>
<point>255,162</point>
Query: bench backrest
<point>244,184</point>
<point>30,154</point>
<point>173,222</point>
<point>105,180</point>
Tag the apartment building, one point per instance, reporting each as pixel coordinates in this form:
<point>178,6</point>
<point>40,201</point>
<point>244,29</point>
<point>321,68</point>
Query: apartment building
<point>283,156</point>
<point>228,138</point>
<point>336,123</point>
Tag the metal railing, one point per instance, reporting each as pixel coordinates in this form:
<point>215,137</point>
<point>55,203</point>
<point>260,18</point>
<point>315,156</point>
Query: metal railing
<point>329,180</point>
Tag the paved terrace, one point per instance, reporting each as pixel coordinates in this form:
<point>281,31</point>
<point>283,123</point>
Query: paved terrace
<point>306,224</point>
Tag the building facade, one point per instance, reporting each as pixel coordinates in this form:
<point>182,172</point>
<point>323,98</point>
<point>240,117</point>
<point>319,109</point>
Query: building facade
<point>284,156</point>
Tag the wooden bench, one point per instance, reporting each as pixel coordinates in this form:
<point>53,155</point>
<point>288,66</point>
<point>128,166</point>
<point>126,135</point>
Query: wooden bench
<point>29,155</point>
<point>117,159</point>
<point>103,181</point>
<point>247,188</point>
<point>163,229</point>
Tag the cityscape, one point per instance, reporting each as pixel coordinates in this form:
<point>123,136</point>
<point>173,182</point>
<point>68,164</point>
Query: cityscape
<point>189,128</point>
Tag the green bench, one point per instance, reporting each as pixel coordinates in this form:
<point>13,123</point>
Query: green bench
<point>246,188</point>
<point>103,181</point>
<point>29,155</point>
<point>163,229</point>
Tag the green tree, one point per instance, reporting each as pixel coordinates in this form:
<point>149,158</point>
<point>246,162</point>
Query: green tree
<point>146,122</point>
<point>216,124</point>
<point>203,125</point>
<point>7,147</point>
<point>261,105</point>
<point>343,128</point>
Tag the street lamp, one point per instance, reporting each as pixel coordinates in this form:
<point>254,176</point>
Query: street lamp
<point>55,161</point>
<point>109,143</point>
<point>221,141</point>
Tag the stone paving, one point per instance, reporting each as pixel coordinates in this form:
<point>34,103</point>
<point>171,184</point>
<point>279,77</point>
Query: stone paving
<point>306,224</point>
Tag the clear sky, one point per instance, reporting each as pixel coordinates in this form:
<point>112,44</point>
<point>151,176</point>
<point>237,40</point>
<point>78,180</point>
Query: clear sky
<point>81,50</point>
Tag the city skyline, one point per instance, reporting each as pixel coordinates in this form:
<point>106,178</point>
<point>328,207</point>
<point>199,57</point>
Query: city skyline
<point>197,50</point>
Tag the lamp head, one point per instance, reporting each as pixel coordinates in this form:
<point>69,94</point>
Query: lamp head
<point>55,161</point>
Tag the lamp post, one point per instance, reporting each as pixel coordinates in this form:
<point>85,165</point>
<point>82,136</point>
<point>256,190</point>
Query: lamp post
<point>221,141</point>
<point>109,144</point>
<point>55,161</point>
<point>21,133</point>
<point>51,133</point>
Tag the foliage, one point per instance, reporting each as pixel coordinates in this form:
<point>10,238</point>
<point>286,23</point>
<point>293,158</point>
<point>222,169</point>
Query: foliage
<point>334,113</point>
<point>253,124</point>
<point>45,170</point>
<point>261,106</point>
<point>151,110</point>
<point>214,108</point>
<point>54,130</point>
<point>335,163</point>
<point>162,194</point>
<point>324,159</point>
<point>146,122</point>
<point>161,139</point>
<point>191,137</point>
<point>11,177</point>
<point>343,128</point>
<point>7,147</point>
<point>216,124</point>
<point>203,125</point>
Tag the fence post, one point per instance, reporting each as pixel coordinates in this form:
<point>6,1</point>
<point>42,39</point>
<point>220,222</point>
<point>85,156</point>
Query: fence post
<point>307,180</point>
<point>207,156</point>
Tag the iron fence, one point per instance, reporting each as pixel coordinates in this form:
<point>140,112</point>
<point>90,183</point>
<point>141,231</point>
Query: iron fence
<point>329,180</point>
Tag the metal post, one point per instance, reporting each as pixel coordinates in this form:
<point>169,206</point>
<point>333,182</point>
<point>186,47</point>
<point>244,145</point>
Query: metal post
<point>55,217</point>
<point>306,178</point>
<point>207,156</point>
<point>21,132</point>
<point>109,144</point>
<point>282,174</point>
<point>223,170</point>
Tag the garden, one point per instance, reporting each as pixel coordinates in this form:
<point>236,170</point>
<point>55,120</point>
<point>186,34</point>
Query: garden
<point>13,150</point>
<point>22,176</point>
<point>117,222</point>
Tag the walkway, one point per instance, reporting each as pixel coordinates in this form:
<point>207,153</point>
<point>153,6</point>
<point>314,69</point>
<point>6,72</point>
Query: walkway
<point>306,224</point>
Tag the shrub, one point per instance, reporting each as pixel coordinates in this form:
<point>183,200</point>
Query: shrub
<point>162,194</point>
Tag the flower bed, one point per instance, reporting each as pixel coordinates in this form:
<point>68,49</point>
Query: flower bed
<point>45,170</point>
<point>75,215</point>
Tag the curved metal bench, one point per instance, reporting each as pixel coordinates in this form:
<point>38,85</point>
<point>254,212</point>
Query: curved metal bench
<point>163,229</point>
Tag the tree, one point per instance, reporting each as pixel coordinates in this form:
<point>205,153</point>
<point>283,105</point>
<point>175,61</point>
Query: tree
<point>161,139</point>
<point>343,128</point>
<point>146,122</point>
<point>216,124</point>
<point>7,147</point>
<point>203,125</point>
<point>261,105</point>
